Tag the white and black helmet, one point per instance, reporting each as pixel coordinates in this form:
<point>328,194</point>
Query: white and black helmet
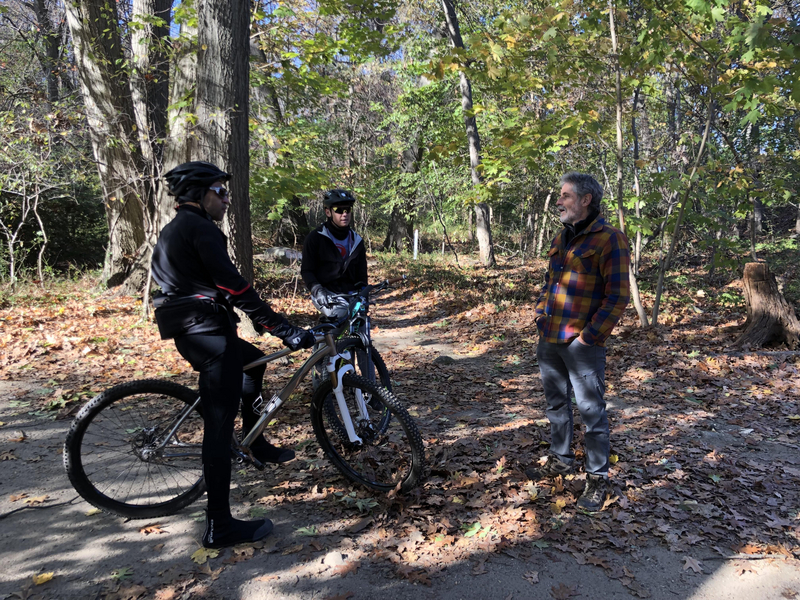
<point>338,198</point>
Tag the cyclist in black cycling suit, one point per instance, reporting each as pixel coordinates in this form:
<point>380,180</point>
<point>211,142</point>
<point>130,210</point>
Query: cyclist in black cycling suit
<point>334,257</point>
<point>200,287</point>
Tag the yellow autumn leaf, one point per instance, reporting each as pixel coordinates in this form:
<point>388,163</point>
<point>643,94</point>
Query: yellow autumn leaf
<point>613,459</point>
<point>93,511</point>
<point>203,554</point>
<point>42,578</point>
<point>557,506</point>
<point>794,417</point>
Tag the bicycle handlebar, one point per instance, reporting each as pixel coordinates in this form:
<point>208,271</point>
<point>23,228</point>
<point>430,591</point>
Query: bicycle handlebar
<point>352,297</point>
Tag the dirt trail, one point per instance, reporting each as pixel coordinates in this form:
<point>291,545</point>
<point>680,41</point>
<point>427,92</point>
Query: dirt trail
<point>95,555</point>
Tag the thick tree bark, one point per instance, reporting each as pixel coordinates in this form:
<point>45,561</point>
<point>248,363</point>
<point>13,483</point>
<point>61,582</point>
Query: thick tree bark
<point>150,93</point>
<point>223,89</point>
<point>180,143</point>
<point>483,223</point>
<point>223,129</point>
<point>770,318</point>
<point>150,77</point>
<point>112,128</point>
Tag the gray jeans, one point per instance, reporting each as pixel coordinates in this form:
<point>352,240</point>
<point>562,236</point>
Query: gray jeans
<point>575,367</point>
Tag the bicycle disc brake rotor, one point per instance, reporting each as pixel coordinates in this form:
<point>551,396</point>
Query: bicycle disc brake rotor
<point>144,445</point>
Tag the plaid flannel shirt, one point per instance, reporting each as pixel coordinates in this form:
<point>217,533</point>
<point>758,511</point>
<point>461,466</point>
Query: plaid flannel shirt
<point>586,288</point>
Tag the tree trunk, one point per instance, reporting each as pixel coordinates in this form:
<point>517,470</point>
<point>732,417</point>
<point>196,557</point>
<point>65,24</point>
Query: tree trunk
<point>222,112</point>
<point>223,93</point>
<point>180,143</point>
<point>797,220</point>
<point>150,93</point>
<point>543,223</point>
<point>112,130</point>
<point>400,230</point>
<point>483,223</point>
<point>634,285</point>
<point>665,263</point>
<point>770,318</point>
<point>52,49</point>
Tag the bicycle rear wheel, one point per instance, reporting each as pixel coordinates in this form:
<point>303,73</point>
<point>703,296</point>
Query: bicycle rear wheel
<point>392,457</point>
<point>128,452</point>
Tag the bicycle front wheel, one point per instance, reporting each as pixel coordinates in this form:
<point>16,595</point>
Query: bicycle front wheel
<point>135,449</point>
<point>390,456</point>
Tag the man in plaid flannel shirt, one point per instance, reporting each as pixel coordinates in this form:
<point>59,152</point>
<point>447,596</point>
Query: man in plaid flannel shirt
<point>586,290</point>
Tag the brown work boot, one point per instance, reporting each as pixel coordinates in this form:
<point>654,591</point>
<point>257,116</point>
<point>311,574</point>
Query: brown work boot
<point>553,467</point>
<point>595,494</point>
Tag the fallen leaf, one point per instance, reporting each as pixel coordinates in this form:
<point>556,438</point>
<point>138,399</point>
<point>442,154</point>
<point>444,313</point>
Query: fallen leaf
<point>122,573</point>
<point>15,497</point>
<point>169,593</point>
<point>360,525</point>
<point>563,591</point>
<point>292,549</point>
<point>7,455</point>
<point>742,569</point>
<point>789,593</point>
<point>154,528</point>
<point>36,500</point>
<point>212,573</point>
<point>128,592</point>
<point>201,555</point>
<point>532,577</point>
<point>690,563</point>
<point>269,577</point>
<point>42,578</point>
<point>346,569</point>
<point>480,568</point>
<point>93,511</point>
<point>344,596</point>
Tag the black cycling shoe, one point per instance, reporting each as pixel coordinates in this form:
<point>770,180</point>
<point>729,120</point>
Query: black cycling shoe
<point>222,532</point>
<point>267,453</point>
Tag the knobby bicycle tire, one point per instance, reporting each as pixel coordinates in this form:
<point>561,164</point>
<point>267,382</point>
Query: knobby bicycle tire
<point>392,458</point>
<point>109,451</point>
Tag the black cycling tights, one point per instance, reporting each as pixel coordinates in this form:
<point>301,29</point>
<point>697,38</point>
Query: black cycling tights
<point>219,360</point>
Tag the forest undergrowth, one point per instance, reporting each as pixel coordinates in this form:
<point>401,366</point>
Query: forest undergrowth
<point>704,439</point>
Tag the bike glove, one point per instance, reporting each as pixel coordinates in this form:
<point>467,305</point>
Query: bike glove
<point>295,338</point>
<point>322,296</point>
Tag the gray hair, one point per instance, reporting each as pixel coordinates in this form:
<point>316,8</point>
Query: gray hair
<point>585,184</point>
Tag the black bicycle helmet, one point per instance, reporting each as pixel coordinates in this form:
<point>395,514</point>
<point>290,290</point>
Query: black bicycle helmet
<point>338,198</point>
<point>193,175</point>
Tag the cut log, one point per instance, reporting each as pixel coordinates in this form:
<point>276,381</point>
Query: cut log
<point>285,256</point>
<point>771,320</point>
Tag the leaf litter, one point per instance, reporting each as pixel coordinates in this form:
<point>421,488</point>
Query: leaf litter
<point>685,418</point>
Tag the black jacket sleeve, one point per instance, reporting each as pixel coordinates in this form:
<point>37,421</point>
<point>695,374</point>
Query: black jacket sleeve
<point>213,252</point>
<point>310,261</point>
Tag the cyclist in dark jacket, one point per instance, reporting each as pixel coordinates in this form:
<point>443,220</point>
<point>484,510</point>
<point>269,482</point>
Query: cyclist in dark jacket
<point>200,287</point>
<point>334,257</point>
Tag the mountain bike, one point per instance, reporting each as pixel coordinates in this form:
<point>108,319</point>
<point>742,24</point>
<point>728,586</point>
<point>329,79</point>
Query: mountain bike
<point>135,449</point>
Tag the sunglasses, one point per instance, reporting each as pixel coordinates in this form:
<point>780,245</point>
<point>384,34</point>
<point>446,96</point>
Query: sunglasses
<point>342,210</point>
<point>220,191</point>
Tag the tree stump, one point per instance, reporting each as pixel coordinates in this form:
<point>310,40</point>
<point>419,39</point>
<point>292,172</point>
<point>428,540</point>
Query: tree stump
<point>770,318</point>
